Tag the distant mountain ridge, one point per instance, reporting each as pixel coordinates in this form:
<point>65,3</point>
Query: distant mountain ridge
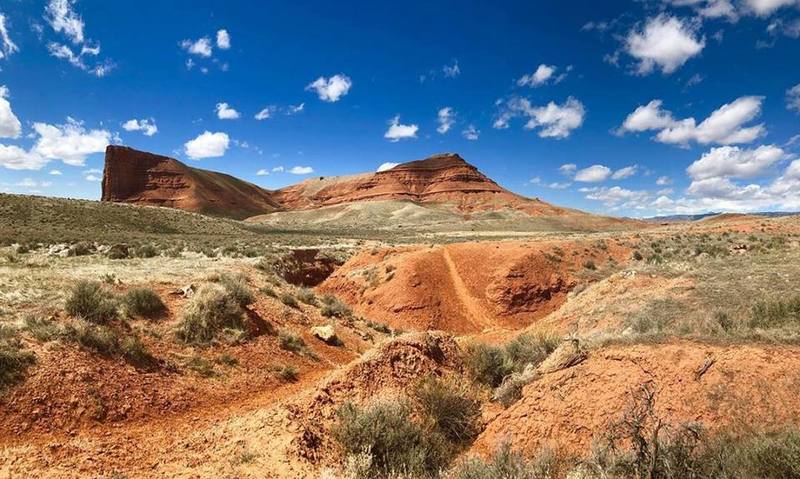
<point>137,177</point>
<point>701,216</point>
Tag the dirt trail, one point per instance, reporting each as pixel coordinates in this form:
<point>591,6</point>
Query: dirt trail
<point>476,313</point>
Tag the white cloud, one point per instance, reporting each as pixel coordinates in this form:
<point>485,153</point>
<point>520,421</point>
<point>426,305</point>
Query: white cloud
<point>331,89</point>
<point>709,8</point>
<point>265,113</point>
<point>765,8</point>
<point>617,197</point>
<point>62,18</point>
<point>70,142</point>
<point>16,158</point>
<point>398,131</point>
<point>446,119</point>
<point>471,133</point>
<point>223,39</point>
<point>262,172</point>
<point>568,169</point>
<point>665,42</point>
<point>386,166</point>
<point>10,126</point>
<point>200,47</point>
<point>207,145</point>
<point>278,169</point>
<point>146,126</point>
<point>7,47</point>
<point>300,170</point>
<point>294,109</point>
<point>663,181</point>
<point>451,71</point>
<point>725,126</point>
<point>55,172</point>
<point>64,52</point>
<point>555,121</point>
<point>623,173</point>
<point>793,98</point>
<point>226,112</point>
<point>734,162</point>
<point>542,75</point>
<point>593,174</point>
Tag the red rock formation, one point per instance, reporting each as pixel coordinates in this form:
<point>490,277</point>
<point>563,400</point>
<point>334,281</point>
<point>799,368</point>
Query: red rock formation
<point>133,176</point>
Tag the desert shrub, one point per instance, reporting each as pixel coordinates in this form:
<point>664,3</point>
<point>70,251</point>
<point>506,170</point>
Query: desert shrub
<point>80,249</point>
<point>529,349</point>
<point>118,251</point>
<point>96,338</point>
<point>285,372</point>
<point>386,431</point>
<point>145,251</point>
<point>775,314</point>
<point>88,300</point>
<point>379,327</point>
<point>135,352</point>
<point>590,265</point>
<point>14,360</point>
<point>143,302</point>
<point>200,365</point>
<point>451,408</point>
<point>237,288</point>
<point>508,464</point>
<point>768,456</point>
<point>332,307</point>
<point>307,296</point>
<point>637,256</point>
<point>288,300</point>
<point>226,360</point>
<point>210,310</point>
<point>43,329</point>
<point>486,364</point>
<point>291,342</point>
<point>267,291</point>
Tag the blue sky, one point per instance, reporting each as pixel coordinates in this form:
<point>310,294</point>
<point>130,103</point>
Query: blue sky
<point>628,108</point>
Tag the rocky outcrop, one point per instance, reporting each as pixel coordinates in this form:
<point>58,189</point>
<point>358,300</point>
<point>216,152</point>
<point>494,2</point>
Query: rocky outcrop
<point>133,176</point>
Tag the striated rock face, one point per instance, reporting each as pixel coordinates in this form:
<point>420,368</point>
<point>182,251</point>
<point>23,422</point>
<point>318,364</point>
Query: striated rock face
<point>132,176</point>
<point>440,178</point>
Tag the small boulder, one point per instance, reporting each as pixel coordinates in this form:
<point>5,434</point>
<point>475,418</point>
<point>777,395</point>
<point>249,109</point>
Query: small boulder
<point>326,334</point>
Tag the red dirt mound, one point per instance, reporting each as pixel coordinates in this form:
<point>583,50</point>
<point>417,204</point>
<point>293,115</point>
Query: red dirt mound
<point>467,287</point>
<point>132,176</point>
<point>718,386</point>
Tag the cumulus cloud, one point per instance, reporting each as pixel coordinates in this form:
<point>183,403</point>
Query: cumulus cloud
<point>542,75</point>
<point>146,126</point>
<point>300,170</point>
<point>593,174</point>
<point>265,113</point>
<point>55,172</point>
<point>665,42</point>
<point>663,181</point>
<point>10,126</point>
<point>616,197</point>
<point>735,162</point>
<point>553,120</point>
<point>262,172</point>
<point>623,173</point>
<point>793,98</point>
<point>765,8</point>
<point>223,39</point>
<point>386,166</point>
<point>709,8</point>
<point>331,89</point>
<point>446,118</point>
<point>7,47</point>
<point>295,109</point>
<point>398,131</point>
<point>451,71</point>
<point>471,133</point>
<point>16,158</point>
<point>70,142</point>
<point>63,19</point>
<point>226,112</point>
<point>207,145</point>
<point>200,47</point>
<point>568,169</point>
<point>725,126</point>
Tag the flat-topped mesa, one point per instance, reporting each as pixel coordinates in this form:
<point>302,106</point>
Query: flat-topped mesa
<point>132,176</point>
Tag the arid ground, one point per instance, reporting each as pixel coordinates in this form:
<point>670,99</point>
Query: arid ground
<point>141,341</point>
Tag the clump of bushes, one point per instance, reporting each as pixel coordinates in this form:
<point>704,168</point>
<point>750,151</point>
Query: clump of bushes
<point>210,310</point>
<point>285,372</point>
<point>307,296</point>
<point>333,308</point>
<point>143,302</point>
<point>396,444</point>
<point>775,314</point>
<point>145,251</point>
<point>291,342</point>
<point>451,409</point>
<point>80,249</point>
<point>90,301</point>
<point>14,360</point>
<point>237,288</point>
<point>509,464</point>
<point>106,341</point>
<point>288,300</point>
